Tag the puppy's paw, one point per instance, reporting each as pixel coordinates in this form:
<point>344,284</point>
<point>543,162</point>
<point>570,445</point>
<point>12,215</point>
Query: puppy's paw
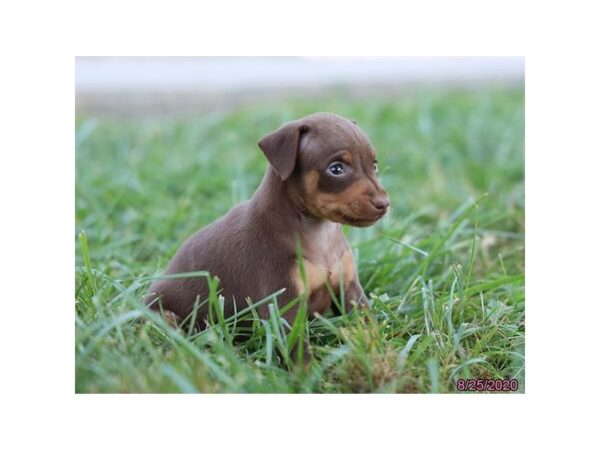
<point>171,318</point>
<point>362,302</point>
<point>357,297</point>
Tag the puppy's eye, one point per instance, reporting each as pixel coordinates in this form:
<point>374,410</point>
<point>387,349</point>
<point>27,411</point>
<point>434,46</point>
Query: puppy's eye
<point>376,166</point>
<point>336,168</point>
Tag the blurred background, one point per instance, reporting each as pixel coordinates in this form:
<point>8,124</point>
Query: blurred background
<point>166,145</point>
<point>145,85</point>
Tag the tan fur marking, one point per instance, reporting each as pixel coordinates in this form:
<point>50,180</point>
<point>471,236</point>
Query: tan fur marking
<point>171,318</point>
<point>311,182</point>
<point>345,268</point>
<point>351,202</point>
<point>346,196</point>
<point>342,199</point>
<point>315,277</point>
<point>355,190</point>
<point>347,157</point>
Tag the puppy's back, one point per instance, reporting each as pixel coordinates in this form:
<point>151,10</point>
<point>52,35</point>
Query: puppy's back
<point>236,249</point>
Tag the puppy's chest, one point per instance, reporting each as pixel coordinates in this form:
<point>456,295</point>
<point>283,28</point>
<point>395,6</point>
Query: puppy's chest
<point>324,264</point>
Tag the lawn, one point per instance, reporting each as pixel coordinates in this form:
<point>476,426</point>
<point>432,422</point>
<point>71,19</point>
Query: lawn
<point>444,269</point>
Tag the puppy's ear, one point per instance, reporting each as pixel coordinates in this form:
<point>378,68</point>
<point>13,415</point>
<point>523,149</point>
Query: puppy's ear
<point>281,147</point>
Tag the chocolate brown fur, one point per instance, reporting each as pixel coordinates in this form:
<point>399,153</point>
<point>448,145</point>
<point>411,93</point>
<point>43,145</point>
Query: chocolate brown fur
<point>252,249</point>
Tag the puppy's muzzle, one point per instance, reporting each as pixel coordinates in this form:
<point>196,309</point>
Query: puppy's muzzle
<point>381,203</point>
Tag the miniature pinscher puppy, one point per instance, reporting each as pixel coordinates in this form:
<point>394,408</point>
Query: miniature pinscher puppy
<point>322,173</point>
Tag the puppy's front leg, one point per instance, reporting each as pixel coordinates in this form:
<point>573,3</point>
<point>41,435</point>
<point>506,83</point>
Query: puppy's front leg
<point>357,295</point>
<point>353,295</point>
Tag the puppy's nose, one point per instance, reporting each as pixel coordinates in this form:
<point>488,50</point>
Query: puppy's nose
<point>381,202</point>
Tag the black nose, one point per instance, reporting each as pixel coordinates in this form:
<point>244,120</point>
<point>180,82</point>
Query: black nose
<point>381,202</point>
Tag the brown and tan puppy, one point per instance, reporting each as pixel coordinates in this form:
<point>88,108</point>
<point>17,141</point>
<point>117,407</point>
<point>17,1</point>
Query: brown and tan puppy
<point>322,173</point>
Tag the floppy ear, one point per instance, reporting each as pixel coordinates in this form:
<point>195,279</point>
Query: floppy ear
<point>281,148</point>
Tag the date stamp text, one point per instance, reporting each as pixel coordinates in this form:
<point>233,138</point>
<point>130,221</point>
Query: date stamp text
<point>487,384</point>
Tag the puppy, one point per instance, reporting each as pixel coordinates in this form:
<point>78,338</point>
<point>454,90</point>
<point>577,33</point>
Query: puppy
<point>322,173</point>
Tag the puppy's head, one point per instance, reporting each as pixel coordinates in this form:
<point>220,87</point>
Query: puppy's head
<point>330,166</point>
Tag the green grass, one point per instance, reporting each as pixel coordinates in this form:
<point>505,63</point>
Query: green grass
<point>444,270</point>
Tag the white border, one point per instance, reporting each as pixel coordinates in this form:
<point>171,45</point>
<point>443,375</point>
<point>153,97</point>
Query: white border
<point>562,223</point>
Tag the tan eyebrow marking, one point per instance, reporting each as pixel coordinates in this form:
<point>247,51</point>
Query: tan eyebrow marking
<point>342,155</point>
<point>347,157</point>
